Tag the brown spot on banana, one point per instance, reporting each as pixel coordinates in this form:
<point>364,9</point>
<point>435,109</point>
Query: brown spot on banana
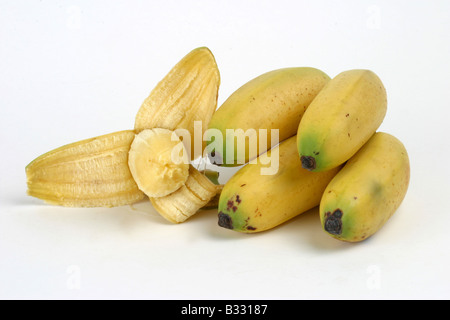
<point>225,220</point>
<point>333,222</point>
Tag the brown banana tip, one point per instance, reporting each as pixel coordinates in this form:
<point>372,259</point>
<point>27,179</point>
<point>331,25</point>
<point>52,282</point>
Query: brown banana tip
<point>308,162</point>
<point>333,222</point>
<point>225,220</point>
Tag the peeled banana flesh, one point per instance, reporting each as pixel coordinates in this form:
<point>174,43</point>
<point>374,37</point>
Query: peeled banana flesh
<point>158,162</point>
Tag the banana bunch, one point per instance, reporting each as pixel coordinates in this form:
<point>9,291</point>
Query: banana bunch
<point>252,202</point>
<point>304,140</point>
<point>335,159</point>
<point>152,160</point>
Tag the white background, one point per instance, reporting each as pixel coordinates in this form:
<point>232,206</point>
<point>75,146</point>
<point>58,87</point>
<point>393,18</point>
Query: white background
<point>71,70</point>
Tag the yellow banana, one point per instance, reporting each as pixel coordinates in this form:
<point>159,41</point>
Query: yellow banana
<point>158,162</point>
<point>367,191</point>
<point>186,94</point>
<point>89,173</point>
<point>343,116</point>
<point>273,100</point>
<point>252,202</point>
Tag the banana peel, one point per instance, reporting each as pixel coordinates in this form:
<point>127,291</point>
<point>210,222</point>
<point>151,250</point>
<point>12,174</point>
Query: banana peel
<point>88,173</point>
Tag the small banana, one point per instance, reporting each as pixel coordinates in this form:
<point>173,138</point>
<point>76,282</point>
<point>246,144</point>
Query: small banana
<point>275,100</point>
<point>343,116</point>
<point>89,173</point>
<point>159,165</point>
<point>367,191</point>
<point>158,162</point>
<point>195,194</point>
<point>188,93</point>
<point>95,172</point>
<point>251,202</point>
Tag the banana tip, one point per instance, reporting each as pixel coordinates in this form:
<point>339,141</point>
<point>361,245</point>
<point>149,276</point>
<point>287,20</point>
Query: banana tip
<point>333,222</point>
<point>225,220</point>
<point>308,162</point>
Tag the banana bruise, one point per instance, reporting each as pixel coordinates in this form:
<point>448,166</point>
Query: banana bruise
<point>89,173</point>
<point>252,202</point>
<point>195,194</point>
<point>343,116</point>
<point>367,191</point>
<point>275,100</point>
<point>187,94</point>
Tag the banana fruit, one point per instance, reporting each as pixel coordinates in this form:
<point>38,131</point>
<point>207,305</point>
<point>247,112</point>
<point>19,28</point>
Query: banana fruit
<point>343,116</point>
<point>158,162</point>
<point>330,154</point>
<point>195,194</point>
<point>89,173</point>
<point>121,168</point>
<point>187,94</point>
<point>367,191</point>
<point>273,100</point>
<point>251,202</point>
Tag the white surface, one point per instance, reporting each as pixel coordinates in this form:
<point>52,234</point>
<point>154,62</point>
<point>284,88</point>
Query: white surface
<point>71,70</point>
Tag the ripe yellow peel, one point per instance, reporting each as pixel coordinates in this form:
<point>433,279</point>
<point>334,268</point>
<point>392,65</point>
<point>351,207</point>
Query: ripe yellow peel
<point>363,196</point>
<point>251,202</point>
<point>341,119</point>
<point>158,162</point>
<point>195,194</point>
<point>275,100</point>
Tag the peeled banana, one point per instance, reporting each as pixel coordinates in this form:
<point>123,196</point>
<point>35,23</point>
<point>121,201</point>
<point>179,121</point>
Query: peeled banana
<point>186,96</point>
<point>275,100</point>
<point>184,102</point>
<point>158,162</point>
<point>96,172</point>
<point>343,116</point>
<point>367,191</point>
<point>251,202</point>
<point>89,173</point>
